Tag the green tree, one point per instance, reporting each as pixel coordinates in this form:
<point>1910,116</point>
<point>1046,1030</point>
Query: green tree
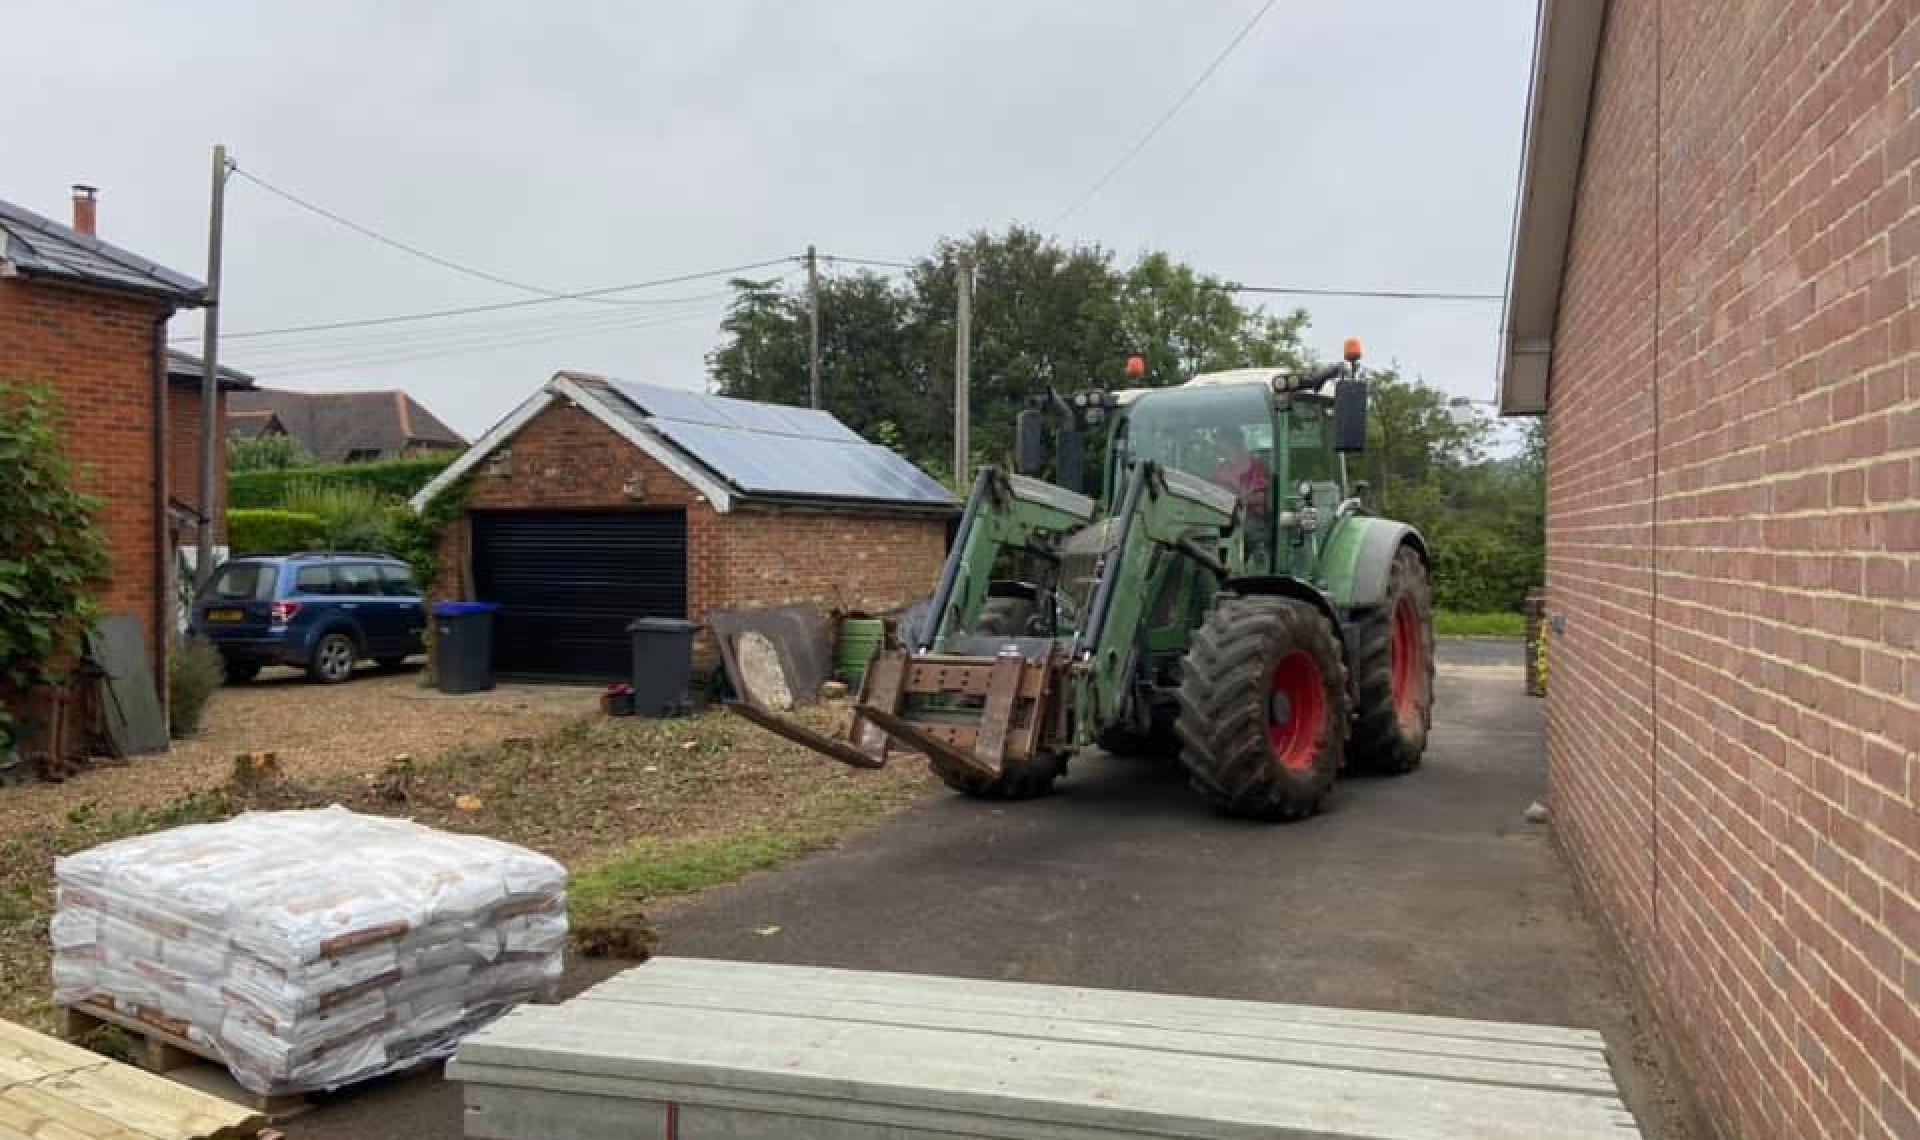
<point>1045,316</point>
<point>1415,442</point>
<point>1183,322</point>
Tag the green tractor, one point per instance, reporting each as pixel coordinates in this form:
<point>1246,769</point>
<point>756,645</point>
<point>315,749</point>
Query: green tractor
<point>1226,599</point>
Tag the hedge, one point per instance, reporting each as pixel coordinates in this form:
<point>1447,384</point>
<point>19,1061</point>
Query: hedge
<point>258,531</point>
<point>394,478</point>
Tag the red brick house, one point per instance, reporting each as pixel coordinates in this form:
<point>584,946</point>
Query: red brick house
<point>90,319</point>
<point>1715,300</point>
<point>185,373</point>
<point>597,501</point>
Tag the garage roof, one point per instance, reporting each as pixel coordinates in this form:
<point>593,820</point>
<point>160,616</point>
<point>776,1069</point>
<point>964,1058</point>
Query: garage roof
<point>731,450</point>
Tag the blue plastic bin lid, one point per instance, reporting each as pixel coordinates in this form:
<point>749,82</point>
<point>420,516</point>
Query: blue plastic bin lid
<point>456,609</point>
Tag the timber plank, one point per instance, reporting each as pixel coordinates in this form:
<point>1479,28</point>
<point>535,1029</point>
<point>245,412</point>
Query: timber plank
<point>1125,1007</point>
<point>78,1093</point>
<point>1360,1050</point>
<point>26,1056</point>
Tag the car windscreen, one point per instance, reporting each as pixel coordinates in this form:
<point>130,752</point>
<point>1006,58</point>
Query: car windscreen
<point>244,581</point>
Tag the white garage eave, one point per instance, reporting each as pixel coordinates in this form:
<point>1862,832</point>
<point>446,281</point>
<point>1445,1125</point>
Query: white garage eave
<point>1566,47</point>
<point>566,386</point>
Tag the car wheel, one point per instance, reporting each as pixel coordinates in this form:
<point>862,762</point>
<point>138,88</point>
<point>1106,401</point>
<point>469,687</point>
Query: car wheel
<point>333,659</point>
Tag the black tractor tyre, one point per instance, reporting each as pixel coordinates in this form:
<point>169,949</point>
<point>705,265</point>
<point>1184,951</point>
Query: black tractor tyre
<point>1023,781</point>
<point>1263,707</point>
<point>1393,674</point>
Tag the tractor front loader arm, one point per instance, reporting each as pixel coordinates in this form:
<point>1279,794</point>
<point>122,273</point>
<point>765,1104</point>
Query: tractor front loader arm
<point>1003,512</point>
<point>986,712</point>
<point>1163,513</point>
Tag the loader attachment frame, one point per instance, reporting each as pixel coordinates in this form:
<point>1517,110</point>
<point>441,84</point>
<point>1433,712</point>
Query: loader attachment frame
<point>987,710</point>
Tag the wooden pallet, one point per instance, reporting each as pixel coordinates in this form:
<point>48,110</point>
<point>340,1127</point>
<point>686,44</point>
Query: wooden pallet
<point>51,1088</point>
<point>160,1050</point>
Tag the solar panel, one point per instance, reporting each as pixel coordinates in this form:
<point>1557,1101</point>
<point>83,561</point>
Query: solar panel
<point>770,449</point>
<point>725,411</point>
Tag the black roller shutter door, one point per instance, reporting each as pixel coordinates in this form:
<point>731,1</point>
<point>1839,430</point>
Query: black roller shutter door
<point>568,582</point>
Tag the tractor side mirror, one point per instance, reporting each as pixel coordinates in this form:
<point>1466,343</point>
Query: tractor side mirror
<point>1350,416</point>
<point>1070,467</point>
<point>1030,441</point>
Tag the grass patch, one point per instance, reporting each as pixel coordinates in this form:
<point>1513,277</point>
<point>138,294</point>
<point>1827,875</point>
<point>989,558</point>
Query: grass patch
<point>655,869</point>
<point>1450,623</point>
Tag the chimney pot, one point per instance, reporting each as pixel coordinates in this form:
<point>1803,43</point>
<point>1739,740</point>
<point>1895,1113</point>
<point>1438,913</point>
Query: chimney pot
<point>86,205</point>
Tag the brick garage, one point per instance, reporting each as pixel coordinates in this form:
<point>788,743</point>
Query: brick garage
<point>88,319</point>
<point>586,457</point>
<point>1713,301</point>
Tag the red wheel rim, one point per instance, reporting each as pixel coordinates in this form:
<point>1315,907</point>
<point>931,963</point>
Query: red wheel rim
<point>1409,667</point>
<point>1296,711</point>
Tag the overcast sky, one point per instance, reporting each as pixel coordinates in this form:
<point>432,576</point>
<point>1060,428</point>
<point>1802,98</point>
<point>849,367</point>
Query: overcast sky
<point>1366,144</point>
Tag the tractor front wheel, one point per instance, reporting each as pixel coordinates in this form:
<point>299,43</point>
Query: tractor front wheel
<point>1393,674</point>
<point>1263,707</point>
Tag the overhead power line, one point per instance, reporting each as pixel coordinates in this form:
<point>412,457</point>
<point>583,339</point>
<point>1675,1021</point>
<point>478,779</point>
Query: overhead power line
<point>498,306</point>
<point>878,262</point>
<point>1381,294</point>
<point>417,335</point>
<point>1193,88</point>
<point>492,341</point>
<point>1282,290</point>
<point>413,250</point>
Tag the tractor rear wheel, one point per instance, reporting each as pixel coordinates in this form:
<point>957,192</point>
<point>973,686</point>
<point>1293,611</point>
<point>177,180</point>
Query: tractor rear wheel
<point>1263,707</point>
<point>1393,674</point>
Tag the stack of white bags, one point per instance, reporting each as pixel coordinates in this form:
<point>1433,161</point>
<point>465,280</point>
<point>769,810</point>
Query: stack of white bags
<point>310,949</point>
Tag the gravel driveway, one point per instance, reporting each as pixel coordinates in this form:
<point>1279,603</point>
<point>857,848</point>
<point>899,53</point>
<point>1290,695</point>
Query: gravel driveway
<point>317,731</point>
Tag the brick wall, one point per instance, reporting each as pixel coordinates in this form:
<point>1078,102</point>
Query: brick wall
<point>96,350</point>
<point>1734,543</point>
<point>183,452</point>
<point>564,458</point>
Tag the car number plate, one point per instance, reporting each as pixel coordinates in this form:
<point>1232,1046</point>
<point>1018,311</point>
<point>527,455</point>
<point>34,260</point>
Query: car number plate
<point>226,615</point>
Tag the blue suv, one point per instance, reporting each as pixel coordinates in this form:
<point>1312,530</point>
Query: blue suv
<point>318,612</point>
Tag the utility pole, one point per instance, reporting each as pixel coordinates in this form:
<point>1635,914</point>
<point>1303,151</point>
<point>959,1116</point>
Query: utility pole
<point>813,329</point>
<point>210,441</point>
<point>962,379</point>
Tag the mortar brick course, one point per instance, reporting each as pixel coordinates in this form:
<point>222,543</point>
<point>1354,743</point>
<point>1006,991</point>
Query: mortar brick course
<point>1734,546</point>
<point>96,351</point>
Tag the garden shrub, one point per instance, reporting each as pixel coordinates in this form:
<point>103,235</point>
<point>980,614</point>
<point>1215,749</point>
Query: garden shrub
<point>273,531</point>
<point>389,478</point>
<point>194,674</point>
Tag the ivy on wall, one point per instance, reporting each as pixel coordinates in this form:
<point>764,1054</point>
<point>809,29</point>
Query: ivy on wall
<point>51,549</point>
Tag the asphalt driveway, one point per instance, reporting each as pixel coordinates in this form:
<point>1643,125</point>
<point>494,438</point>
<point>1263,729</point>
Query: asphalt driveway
<point>1426,894</point>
